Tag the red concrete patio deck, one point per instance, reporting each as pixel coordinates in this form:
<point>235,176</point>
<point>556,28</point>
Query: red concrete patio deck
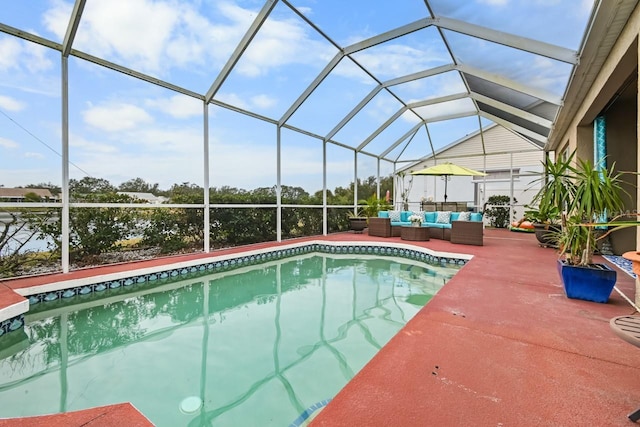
<point>500,344</point>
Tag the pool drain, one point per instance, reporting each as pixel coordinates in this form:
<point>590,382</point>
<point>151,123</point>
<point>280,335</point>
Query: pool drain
<point>190,404</point>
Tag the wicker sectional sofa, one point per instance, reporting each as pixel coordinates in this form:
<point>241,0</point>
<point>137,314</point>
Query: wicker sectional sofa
<point>390,223</point>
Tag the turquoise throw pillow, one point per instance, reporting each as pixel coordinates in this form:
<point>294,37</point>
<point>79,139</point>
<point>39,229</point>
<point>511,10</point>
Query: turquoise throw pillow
<point>383,214</point>
<point>430,217</point>
<point>476,216</point>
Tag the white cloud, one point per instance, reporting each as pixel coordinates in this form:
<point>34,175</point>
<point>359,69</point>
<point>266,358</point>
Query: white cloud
<point>32,155</point>
<point>23,56</point>
<point>305,10</point>
<point>177,106</point>
<point>35,58</point>
<point>180,140</point>
<point>7,143</point>
<point>263,101</point>
<point>281,43</point>
<point>393,60</point>
<point>116,116</point>
<point>11,104</point>
<point>116,30</point>
<point>433,87</point>
<point>57,17</point>
<point>180,36</point>
<point>232,99</point>
<point>81,145</point>
<point>10,53</point>
<point>409,117</point>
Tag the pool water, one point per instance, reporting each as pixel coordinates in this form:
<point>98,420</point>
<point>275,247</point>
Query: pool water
<point>257,346</point>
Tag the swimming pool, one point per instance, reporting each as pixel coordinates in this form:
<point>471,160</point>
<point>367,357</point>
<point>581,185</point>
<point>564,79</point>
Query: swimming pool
<point>258,345</point>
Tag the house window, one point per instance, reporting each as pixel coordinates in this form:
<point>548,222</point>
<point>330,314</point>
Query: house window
<point>499,175</point>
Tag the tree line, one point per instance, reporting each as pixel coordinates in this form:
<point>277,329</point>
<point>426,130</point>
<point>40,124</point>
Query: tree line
<point>98,230</point>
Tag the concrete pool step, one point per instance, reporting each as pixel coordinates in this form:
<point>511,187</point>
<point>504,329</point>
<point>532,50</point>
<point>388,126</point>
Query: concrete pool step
<point>122,414</point>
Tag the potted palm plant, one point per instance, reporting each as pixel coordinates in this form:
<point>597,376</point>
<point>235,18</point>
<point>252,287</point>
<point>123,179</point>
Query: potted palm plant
<point>597,194</point>
<point>373,205</point>
<point>358,219</point>
<point>553,197</point>
<point>357,222</point>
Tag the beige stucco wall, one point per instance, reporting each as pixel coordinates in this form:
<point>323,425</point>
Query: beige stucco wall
<point>621,149</point>
<point>622,120</point>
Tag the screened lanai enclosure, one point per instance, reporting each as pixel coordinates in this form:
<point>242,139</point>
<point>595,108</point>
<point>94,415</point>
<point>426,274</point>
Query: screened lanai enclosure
<point>260,119</point>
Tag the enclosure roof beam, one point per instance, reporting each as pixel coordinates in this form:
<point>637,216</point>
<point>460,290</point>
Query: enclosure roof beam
<point>420,75</point>
<point>512,110</point>
<point>441,99</point>
<point>136,74</point>
<point>451,116</point>
<point>512,126</point>
<point>72,29</point>
<point>536,47</point>
<point>389,35</point>
<point>30,37</point>
<point>411,132</point>
<point>404,109</point>
<point>511,84</point>
<point>242,46</point>
<point>309,90</point>
<point>354,111</point>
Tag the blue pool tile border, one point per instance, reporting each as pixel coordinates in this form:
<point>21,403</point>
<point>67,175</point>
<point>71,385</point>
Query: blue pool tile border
<point>233,263</point>
<point>308,412</point>
<point>13,324</point>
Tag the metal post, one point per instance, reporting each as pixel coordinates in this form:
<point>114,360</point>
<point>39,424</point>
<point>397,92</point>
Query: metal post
<point>205,150</point>
<point>378,177</point>
<point>511,198</point>
<point>64,215</point>
<point>325,227</point>
<point>278,184</point>
<point>355,182</point>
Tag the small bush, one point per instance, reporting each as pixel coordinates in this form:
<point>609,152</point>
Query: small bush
<point>498,216</point>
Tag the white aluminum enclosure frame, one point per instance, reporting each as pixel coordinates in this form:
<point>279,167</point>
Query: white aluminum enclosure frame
<point>441,23</point>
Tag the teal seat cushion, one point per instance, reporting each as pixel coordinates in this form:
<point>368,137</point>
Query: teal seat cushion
<point>400,223</point>
<point>383,214</point>
<point>404,216</point>
<point>476,216</point>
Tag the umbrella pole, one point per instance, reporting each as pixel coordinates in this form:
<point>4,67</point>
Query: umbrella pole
<point>445,188</point>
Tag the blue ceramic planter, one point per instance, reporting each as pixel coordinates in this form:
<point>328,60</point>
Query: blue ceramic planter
<point>587,283</point>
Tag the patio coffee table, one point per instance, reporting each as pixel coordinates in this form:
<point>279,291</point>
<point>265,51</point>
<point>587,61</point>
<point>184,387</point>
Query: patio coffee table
<point>409,232</point>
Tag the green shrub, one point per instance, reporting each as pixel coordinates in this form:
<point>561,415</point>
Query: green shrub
<point>498,216</point>
<point>92,230</point>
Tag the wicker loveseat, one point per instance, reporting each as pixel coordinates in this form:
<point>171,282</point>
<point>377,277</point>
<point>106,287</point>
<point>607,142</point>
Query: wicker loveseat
<point>469,232</point>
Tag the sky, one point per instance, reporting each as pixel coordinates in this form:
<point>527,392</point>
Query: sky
<point>121,128</point>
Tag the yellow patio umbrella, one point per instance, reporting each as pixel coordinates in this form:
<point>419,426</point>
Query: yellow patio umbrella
<point>448,169</point>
